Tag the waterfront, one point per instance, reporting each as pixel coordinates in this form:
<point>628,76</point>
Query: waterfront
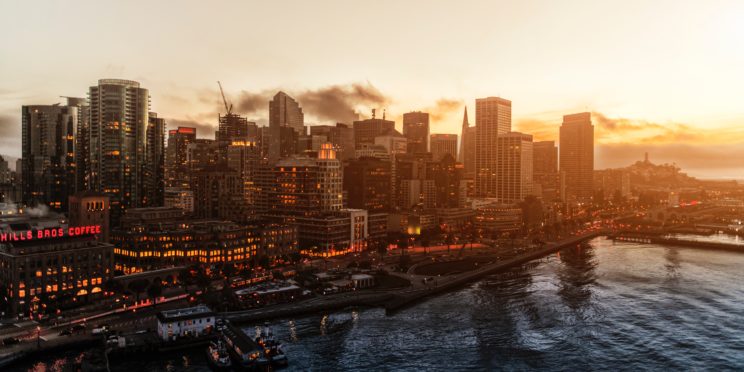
<point>602,306</point>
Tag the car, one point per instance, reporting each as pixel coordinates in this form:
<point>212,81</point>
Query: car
<point>10,341</point>
<point>78,327</point>
<point>65,332</point>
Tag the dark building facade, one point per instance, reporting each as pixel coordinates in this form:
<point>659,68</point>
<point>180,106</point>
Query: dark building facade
<point>177,165</point>
<point>48,154</point>
<point>367,183</point>
<point>365,131</point>
<point>416,130</point>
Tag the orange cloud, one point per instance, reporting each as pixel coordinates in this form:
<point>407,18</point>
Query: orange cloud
<point>636,131</point>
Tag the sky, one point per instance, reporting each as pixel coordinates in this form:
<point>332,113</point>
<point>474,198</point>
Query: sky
<point>663,77</point>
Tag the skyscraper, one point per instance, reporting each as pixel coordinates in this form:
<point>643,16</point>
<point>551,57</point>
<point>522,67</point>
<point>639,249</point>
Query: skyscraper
<point>119,118</point>
<point>341,136</point>
<point>514,153</point>
<point>416,130</point>
<point>545,170</point>
<point>365,131</point>
<point>284,112</point>
<point>367,182</point>
<point>467,147</point>
<point>577,155</point>
<point>492,118</point>
<point>233,127</point>
<point>49,173</point>
<point>176,164</point>
<point>443,144</point>
<point>154,169</point>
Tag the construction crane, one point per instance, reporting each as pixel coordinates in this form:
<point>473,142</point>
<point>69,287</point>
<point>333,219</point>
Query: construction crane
<point>227,108</point>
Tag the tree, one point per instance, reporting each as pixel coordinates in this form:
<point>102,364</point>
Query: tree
<point>155,289</point>
<point>137,286</point>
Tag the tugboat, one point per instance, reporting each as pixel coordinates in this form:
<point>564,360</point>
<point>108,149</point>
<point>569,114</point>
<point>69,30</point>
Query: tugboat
<point>218,357</point>
<point>272,349</point>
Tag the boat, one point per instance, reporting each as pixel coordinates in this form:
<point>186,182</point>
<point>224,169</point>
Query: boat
<point>218,357</point>
<point>246,354</point>
<point>272,348</point>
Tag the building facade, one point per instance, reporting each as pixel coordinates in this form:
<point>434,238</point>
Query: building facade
<point>416,130</point>
<point>514,160</point>
<point>492,118</point>
<point>443,144</point>
<point>577,155</point>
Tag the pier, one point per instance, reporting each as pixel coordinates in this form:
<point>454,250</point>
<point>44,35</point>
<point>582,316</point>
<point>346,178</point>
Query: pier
<point>675,242</point>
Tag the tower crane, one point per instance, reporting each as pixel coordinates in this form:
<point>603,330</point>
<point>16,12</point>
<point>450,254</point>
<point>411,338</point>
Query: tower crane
<point>227,108</point>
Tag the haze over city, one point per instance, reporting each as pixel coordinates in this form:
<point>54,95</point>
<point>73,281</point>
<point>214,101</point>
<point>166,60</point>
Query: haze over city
<point>384,185</point>
<point>661,77</point>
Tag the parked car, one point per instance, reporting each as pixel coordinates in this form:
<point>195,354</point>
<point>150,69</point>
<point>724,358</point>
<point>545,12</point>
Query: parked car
<point>10,341</point>
<point>65,332</point>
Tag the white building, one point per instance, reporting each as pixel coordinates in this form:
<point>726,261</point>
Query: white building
<point>190,321</point>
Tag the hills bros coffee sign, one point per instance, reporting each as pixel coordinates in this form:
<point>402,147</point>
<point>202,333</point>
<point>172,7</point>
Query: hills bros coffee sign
<point>56,232</point>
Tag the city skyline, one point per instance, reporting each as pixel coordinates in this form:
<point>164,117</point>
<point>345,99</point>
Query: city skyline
<point>545,62</point>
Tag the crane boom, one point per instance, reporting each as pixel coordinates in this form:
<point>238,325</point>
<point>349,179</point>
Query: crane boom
<point>228,109</point>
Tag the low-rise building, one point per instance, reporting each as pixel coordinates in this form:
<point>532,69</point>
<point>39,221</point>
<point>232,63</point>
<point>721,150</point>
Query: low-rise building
<point>45,264</point>
<point>187,322</point>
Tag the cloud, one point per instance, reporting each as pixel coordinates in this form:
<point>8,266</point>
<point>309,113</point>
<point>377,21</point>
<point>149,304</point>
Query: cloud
<point>10,133</point>
<point>637,131</point>
<point>341,103</point>
<point>702,160</point>
<point>334,103</point>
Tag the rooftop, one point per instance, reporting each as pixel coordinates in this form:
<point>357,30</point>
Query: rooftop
<point>195,312</point>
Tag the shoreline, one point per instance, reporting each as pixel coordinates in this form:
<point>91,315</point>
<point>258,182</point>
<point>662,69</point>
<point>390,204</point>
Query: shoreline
<point>397,299</point>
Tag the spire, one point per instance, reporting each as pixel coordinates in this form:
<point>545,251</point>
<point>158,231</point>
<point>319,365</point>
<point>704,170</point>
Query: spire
<point>465,123</point>
<point>465,126</point>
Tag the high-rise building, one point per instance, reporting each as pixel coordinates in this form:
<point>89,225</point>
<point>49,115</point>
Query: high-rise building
<point>201,153</point>
<point>448,177</point>
<point>154,169</point>
<point>416,130</point>
<point>341,136</point>
<point>284,112</point>
<point>365,131</point>
<point>48,151</point>
<point>176,156</point>
<point>119,118</point>
<point>577,155</point>
<point>245,157</point>
<point>218,193</point>
<point>545,170</point>
<point>467,147</point>
<point>514,154</point>
<point>367,182</point>
<point>82,143</point>
<point>233,127</point>
<point>492,118</point>
<point>443,144</point>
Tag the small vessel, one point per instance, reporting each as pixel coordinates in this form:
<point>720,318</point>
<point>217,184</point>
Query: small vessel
<point>218,357</point>
<point>272,348</point>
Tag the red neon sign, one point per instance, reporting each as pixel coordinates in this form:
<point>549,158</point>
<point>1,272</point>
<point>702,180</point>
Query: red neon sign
<point>57,232</point>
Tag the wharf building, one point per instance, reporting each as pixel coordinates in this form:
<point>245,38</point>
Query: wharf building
<point>158,238</point>
<point>47,265</point>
